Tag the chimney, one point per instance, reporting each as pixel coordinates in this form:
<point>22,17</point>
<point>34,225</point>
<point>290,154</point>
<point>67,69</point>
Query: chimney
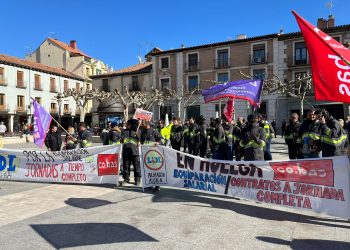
<point>241,36</point>
<point>321,23</point>
<point>331,21</point>
<point>73,44</point>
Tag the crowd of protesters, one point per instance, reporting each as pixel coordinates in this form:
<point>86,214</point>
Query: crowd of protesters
<point>320,135</point>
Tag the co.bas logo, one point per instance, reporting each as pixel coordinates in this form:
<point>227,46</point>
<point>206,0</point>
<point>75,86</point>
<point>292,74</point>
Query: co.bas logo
<point>154,160</point>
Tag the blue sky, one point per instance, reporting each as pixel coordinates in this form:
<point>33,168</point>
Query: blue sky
<point>116,31</point>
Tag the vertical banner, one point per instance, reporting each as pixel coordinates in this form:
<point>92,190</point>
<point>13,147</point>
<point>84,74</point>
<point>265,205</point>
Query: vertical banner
<point>95,165</point>
<point>320,185</point>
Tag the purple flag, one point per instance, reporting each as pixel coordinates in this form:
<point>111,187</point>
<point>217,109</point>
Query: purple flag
<point>249,90</point>
<point>42,121</point>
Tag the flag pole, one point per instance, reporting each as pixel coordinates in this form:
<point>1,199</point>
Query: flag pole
<point>59,125</point>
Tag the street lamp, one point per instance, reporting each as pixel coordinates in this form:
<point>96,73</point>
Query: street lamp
<point>59,101</point>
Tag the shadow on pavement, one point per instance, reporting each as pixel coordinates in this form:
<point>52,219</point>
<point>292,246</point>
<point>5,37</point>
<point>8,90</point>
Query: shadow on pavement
<point>86,234</point>
<point>87,203</point>
<point>307,244</point>
<point>176,195</point>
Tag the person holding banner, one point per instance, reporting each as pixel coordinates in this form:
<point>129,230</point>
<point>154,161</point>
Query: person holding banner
<point>200,138</point>
<point>253,140</point>
<point>131,140</point>
<point>150,136</point>
<point>71,138</point>
<point>219,142</point>
<point>309,133</point>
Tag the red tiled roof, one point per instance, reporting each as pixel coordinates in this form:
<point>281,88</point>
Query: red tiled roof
<point>67,47</point>
<point>18,62</point>
<point>145,67</point>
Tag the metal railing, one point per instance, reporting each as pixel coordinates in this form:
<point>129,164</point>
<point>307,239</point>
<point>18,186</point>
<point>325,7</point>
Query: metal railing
<point>222,63</point>
<point>258,60</point>
<point>189,67</point>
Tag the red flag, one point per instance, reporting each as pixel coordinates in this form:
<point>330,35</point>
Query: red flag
<point>229,109</point>
<point>330,63</point>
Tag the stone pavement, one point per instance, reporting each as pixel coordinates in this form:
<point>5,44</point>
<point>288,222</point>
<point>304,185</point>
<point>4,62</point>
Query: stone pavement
<point>55,216</point>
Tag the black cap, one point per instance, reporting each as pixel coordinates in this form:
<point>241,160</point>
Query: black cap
<point>201,118</point>
<point>218,121</point>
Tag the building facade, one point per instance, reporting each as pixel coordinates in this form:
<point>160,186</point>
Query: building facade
<point>135,78</point>
<point>55,53</point>
<point>21,80</point>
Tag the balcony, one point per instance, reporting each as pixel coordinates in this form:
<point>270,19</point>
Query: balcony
<point>222,63</point>
<point>21,109</point>
<point>53,90</point>
<point>21,84</point>
<point>53,110</point>
<point>38,87</point>
<point>67,111</point>
<point>191,67</point>
<point>4,108</point>
<point>3,82</point>
<point>300,62</point>
<point>135,87</point>
<point>258,60</point>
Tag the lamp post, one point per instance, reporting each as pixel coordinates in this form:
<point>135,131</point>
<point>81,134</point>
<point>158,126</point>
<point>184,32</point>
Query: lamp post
<point>59,101</point>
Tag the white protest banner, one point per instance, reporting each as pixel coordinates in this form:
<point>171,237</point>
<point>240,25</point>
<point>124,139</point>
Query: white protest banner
<point>143,115</point>
<point>320,185</point>
<point>95,165</point>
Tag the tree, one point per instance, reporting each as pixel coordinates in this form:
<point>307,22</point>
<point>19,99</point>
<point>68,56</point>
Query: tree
<point>298,88</point>
<point>184,98</point>
<point>81,98</point>
<point>144,100</point>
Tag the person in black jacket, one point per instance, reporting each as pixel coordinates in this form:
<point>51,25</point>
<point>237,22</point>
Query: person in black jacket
<point>114,134</point>
<point>333,137</point>
<point>176,134</point>
<point>53,140</point>
<point>130,152</point>
<point>200,139</point>
<point>219,141</point>
<point>309,132</point>
<point>292,138</point>
<point>253,140</point>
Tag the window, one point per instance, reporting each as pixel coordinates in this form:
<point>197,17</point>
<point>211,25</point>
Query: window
<point>166,110</point>
<point>87,71</point>
<point>20,102</point>
<point>2,100</point>
<point>297,77</point>
<point>38,100</point>
<point>259,54</point>
<point>37,82</point>
<point>53,107</point>
<point>337,38</point>
<point>259,74</point>
<point>164,83</point>
<point>192,82</point>
<point>105,85</point>
<point>164,62</point>
<point>65,85</point>
<point>77,86</point>
<point>65,108</point>
<point>52,84</point>
<point>20,82</point>
<point>2,77</point>
<point>193,61</point>
<point>300,53</point>
<point>222,58</point>
<point>98,72</point>
<point>223,77</point>
<point>135,83</point>
<point>219,108</point>
<point>193,111</point>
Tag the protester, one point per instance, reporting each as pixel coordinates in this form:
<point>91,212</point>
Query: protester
<point>53,140</point>
<point>269,133</point>
<point>218,141</point>
<point>236,134</point>
<point>104,136</point>
<point>253,140</point>
<point>186,135</point>
<point>2,128</point>
<point>114,134</point>
<point>199,139</point>
<point>283,127</point>
<point>176,134</point>
<point>192,127</point>
<point>130,152</point>
<point>228,129</point>
<point>71,138</point>
<point>309,133</point>
<point>84,136</point>
<point>273,124</point>
<point>292,138</point>
<point>96,129</point>
<point>333,137</point>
